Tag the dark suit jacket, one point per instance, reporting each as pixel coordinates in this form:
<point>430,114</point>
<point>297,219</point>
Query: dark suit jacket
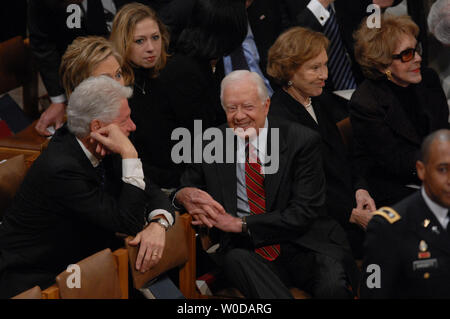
<point>264,17</point>
<point>349,14</point>
<point>61,215</point>
<point>340,180</point>
<point>295,196</point>
<point>386,144</point>
<point>395,248</point>
<point>192,91</point>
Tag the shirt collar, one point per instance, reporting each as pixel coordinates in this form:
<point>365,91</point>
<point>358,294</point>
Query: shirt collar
<point>259,142</point>
<point>438,211</point>
<point>94,160</point>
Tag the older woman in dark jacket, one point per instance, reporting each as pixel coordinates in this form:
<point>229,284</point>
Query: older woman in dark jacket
<point>298,62</point>
<point>391,112</point>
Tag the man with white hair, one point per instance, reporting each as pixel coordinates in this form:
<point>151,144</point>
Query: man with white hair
<point>75,198</point>
<point>272,227</point>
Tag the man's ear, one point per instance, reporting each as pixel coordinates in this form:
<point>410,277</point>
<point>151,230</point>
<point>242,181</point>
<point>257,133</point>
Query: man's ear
<point>95,125</point>
<point>267,106</point>
<point>420,168</point>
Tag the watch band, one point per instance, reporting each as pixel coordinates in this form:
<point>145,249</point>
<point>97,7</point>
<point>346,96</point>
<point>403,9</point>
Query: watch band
<point>244,225</point>
<point>164,223</point>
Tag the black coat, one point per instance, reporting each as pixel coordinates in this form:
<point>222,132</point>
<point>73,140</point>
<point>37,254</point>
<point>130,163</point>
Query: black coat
<point>386,144</point>
<point>155,120</point>
<point>394,247</point>
<point>341,180</point>
<point>61,214</point>
<point>295,196</point>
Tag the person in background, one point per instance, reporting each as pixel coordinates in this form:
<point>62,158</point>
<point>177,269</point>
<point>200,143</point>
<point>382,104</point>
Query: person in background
<point>392,111</point>
<point>172,92</point>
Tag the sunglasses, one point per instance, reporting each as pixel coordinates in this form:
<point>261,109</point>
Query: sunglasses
<point>408,54</point>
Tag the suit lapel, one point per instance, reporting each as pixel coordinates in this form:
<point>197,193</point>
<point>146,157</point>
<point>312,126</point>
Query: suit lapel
<point>440,240</point>
<point>272,181</point>
<point>226,173</point>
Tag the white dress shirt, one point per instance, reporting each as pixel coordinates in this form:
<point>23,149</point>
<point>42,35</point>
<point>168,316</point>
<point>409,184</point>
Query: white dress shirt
<point>440,212</point>
<point>322,14</point>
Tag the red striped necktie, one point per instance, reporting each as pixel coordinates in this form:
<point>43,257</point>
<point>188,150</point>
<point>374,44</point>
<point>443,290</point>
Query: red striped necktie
<point>254,180</point>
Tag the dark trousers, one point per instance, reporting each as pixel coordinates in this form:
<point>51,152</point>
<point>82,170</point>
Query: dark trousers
<point>256,277</point>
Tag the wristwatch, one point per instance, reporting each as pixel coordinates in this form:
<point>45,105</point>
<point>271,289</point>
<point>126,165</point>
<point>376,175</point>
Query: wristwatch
<point>163,222</point>
<point>244,225</point>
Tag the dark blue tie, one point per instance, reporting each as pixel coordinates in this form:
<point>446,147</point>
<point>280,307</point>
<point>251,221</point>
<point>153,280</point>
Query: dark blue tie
<point>338,62</point>
<point>100,170</point>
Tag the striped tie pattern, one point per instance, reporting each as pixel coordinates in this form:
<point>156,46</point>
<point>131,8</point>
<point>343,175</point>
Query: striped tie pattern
<point>256,194</point>
<point>338,61</point>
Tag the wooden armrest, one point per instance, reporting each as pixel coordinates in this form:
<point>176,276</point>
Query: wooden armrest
<point>121,258</point>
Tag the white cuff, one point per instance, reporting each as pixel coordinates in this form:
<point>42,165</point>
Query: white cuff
<point>319,11</point>
<point>160,211</point>
<point>132,172</point>
<point>58,99</point>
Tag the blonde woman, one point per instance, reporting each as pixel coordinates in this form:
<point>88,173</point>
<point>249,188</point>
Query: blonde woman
<point>85,57</point>
<point>391,112</point>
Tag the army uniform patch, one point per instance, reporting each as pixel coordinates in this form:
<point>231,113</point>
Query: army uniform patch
<point>389,214</point>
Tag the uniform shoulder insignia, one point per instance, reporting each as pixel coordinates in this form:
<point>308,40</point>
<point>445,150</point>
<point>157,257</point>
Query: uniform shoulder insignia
<point>389,214</point>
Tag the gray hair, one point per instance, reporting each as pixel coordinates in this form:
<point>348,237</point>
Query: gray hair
<point>439,21</point>
<point>95,98</point>
<point>442,135</point>
<point>241,75</point>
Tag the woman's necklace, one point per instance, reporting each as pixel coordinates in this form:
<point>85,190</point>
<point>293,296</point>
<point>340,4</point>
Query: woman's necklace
<point>142,88</point>
<point>309,104</point>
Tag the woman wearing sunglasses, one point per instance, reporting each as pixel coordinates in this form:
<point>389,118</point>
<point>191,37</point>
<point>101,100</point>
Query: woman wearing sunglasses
<point>391,112</point>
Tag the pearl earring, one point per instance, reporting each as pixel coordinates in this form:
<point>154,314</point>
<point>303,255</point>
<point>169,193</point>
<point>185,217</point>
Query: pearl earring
<point>289,83</point>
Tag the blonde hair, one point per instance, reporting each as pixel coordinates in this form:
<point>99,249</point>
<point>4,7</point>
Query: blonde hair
<point>123,27</point>
<point>81,58</point>
<point>293,48</point>
<point>374,46</point>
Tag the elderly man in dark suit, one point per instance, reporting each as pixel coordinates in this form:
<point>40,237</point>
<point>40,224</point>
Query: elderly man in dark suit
<point>272,229</point>
<point>408,245</point>
<point>74,198</point>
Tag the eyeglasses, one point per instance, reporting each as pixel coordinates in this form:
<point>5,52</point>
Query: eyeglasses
<point>408,54</point>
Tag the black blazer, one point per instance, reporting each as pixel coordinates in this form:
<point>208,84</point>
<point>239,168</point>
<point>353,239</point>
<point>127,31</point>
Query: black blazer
<point>295,196</point>
<point>395,248</point>
<point>61,214</point>
<point>341,182</point>
<point>265,19</point>
<point>386,144</point>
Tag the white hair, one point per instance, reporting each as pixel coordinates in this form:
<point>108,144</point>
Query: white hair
<point>439,21</point>
<point>95,98</point>
<point>240,75</point>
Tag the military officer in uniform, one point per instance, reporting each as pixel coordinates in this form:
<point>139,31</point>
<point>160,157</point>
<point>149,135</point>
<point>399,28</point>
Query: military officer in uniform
<point>408,246</point>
